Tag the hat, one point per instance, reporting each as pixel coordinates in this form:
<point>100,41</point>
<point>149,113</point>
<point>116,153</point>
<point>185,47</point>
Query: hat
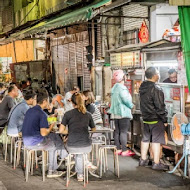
<point>118,75</point>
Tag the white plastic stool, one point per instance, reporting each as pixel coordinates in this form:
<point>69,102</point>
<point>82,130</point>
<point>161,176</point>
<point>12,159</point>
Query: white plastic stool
<point>30,162</point>
<point>18,147</point>
<point>103,158</point>
<point>13,140</point>
<point>85,167</point>
<point>96,143</point>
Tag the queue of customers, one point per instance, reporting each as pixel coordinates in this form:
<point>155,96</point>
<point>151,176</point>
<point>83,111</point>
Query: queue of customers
<point>154,115</point>
<point>29,119</point>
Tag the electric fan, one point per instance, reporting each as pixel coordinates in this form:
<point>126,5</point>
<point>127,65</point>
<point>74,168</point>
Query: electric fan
<point>180,133</point>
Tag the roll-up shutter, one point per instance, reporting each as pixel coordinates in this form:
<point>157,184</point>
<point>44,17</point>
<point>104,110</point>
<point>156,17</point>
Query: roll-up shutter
<point>72,64</point>
<point>99,42</point>
<point>134,10</point>
<point>87,80</point>
<point>79,58</point>
<point>69,58</point>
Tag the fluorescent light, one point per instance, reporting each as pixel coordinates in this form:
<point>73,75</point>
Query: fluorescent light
<point>170,63</point>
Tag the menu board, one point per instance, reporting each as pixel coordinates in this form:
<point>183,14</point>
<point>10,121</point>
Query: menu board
<point>131,59</point>
<point>115,60</point>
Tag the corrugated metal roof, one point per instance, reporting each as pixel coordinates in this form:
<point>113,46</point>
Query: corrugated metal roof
<point>81,15</point>
<point>148,46</point>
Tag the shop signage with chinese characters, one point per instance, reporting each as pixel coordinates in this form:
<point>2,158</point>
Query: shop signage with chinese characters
<point>115,60</point>
<point>176,94</point>
<point>125,59</point>
<point>128,84</point>
<point>131,59</point>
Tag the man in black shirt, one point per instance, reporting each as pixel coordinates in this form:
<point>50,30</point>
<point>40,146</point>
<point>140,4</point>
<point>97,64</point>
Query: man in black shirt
<point>154,116</point>
<point>7,103</point>
<point>172,76</point>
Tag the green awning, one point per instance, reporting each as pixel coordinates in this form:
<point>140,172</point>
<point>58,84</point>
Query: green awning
<point>184,18</point>
<point>77,16</point>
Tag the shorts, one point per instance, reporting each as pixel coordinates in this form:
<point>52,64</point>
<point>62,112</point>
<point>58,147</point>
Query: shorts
<point>154,133</point>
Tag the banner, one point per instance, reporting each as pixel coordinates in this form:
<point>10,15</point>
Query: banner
<point>184,18</point>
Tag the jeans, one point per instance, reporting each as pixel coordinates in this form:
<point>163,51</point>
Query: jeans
<point>78,157</point>
<point>52,143</point>
<point>120,133</point>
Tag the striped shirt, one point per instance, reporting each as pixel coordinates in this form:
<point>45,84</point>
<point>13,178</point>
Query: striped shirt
<point>96,115</point>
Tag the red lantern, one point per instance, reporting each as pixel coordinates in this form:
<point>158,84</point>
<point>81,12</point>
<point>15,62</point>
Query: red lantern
<point>144,33</point>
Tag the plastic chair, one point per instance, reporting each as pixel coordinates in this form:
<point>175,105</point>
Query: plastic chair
<point>103,158</point>
<point>85,169</point>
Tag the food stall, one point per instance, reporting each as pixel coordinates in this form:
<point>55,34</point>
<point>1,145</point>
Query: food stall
<point>130,59</point>
<point>163,55</point>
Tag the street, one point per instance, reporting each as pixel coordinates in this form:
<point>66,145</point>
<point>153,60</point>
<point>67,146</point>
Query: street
<point>131,177</point>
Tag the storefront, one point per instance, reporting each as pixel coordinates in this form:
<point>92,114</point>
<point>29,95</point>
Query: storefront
<point>163,55</point>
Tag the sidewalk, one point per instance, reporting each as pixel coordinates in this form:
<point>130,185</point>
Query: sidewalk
<point>132,177</point>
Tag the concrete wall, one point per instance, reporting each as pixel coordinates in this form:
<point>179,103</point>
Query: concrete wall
<point>162,17</point>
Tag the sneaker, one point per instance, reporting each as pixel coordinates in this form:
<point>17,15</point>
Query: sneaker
<point>143,162</point>
<point>160,166</point>
<point>90,165</point>
<point>80,177</point>
<point>52,174</point>
<point>128,153</point>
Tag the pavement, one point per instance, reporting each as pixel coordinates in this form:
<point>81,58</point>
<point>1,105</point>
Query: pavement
<point>132,177</point>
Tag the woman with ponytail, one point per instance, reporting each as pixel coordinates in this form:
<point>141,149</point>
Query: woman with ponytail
<point>78,121</point>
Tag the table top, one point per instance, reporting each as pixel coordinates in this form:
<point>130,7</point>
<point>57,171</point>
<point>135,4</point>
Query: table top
<point>99,129</point>
<point>102,130</point>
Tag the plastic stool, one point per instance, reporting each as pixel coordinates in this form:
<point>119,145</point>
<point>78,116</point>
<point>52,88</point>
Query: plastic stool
<point>13,140</point>
<point>96,143</point>
<point>103,158</point>
<point>85,170</point>
<point>18,147</point>
<point>30,161</point>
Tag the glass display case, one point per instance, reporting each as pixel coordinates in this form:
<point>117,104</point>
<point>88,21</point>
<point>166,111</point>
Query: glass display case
<point>174,95</point>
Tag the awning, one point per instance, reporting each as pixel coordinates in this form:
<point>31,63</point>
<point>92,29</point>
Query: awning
<point>184,18</point>
<point>179,2</point>
<point>160,45</point>
<point>77,16</point>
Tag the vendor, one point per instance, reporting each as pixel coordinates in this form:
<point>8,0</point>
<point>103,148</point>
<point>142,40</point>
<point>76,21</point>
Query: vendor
<point>172,76</point>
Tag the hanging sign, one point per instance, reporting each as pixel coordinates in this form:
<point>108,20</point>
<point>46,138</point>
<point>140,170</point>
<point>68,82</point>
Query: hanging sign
<point>115,59</point>
<point>144,33</point>
<point>131,59</point>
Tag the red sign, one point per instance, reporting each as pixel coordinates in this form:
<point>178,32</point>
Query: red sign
<point>128,84</point>
<point>176,93</point>
<point>144,33</point>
